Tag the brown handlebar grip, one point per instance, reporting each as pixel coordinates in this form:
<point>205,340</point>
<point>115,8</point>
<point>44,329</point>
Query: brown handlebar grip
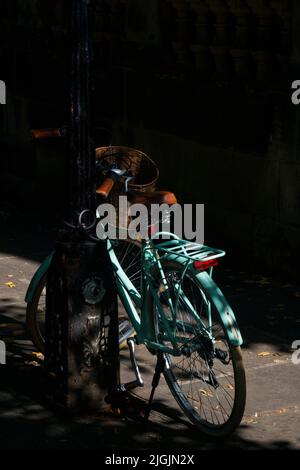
<point>105,187</point>
<point>40,134</point>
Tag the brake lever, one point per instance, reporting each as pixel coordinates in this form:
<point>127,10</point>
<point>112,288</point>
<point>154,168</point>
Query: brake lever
<point>130,178</point>
<point>116,173</point>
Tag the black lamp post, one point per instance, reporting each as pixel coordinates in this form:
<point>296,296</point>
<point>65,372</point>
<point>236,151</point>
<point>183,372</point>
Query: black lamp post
<point>81,147</point>
<point>81,310</point>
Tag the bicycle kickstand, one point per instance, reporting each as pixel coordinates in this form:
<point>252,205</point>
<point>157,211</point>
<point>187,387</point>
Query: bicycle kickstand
<point>160,365</point>
<point>138,382</point>
<point>119,398</point>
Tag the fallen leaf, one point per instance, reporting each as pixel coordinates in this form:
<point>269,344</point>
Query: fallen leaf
<point>252,420</point>
<point>116,411</point>
<point>11,285</point>
<point>205,393</point>
<point>281,411</point>
<point>230,387</point>
<point>38,355</point>
<point>264,354</point>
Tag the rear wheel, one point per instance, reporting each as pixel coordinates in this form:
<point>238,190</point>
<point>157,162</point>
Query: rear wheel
<point>128,253</point>
<point>208,378</point>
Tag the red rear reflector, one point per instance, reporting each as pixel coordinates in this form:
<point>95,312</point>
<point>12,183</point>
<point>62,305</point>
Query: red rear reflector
<point>152,230</point>
<point>204,265</point>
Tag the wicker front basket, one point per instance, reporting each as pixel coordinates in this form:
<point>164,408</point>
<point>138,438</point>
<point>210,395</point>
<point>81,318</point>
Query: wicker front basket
<point>142,167</point>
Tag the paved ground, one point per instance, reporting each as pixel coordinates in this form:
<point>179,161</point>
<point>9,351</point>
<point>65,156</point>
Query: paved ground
<point>269,316</point>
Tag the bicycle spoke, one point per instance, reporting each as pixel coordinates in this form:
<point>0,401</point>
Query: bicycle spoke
<point>207,383</point>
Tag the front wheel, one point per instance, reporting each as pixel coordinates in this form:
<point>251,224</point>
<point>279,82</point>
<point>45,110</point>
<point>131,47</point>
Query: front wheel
<point>207,379</point>
<point>128,253</point>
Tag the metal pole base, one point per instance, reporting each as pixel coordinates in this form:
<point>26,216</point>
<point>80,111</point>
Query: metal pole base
<point>82,353</point>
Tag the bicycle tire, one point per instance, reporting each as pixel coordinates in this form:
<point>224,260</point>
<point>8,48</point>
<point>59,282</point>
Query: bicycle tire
<point>213,431</point>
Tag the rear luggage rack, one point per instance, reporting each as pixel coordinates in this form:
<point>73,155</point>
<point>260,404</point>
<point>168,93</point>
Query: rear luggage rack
<point>178,248</point>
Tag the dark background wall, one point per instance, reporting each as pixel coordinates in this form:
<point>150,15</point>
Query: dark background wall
<point>204,87</point>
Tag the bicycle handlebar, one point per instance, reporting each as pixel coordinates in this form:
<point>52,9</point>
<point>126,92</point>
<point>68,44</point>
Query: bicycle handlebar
<point>41,134</point>
<point>105,188</point>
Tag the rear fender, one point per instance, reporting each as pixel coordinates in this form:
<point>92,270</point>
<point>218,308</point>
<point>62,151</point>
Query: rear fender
<point>221,304</point>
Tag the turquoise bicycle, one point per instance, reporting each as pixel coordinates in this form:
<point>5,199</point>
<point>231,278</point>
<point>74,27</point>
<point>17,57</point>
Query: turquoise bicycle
<point>177,311</point>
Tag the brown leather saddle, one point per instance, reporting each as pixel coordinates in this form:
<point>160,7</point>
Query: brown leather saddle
<point>148,198</point>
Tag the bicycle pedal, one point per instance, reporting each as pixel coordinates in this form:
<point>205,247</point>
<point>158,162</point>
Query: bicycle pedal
<point>123,388</point>
<point>131,345</point>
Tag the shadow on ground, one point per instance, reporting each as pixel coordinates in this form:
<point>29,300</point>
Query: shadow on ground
<point>27,424</point>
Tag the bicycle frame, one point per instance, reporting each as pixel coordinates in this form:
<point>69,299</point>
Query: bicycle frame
<point>131,299</point>
<point>143,324</point>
